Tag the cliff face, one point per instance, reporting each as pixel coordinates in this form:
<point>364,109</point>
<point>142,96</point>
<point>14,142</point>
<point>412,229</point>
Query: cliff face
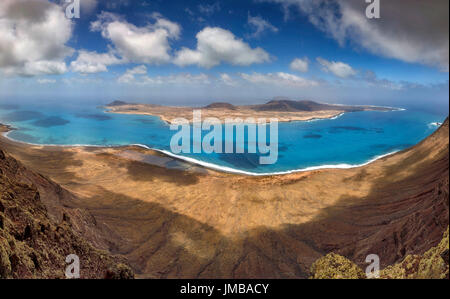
<point>433,264</point>
<point>400,217</point>
<point>32,244</point>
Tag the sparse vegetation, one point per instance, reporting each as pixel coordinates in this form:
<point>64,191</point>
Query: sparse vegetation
<point>433,264</point>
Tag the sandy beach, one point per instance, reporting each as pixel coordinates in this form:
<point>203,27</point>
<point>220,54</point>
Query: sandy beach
<point>188,221</point>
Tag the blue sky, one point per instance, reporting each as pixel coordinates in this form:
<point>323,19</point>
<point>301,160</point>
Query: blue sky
<point>240,51</point>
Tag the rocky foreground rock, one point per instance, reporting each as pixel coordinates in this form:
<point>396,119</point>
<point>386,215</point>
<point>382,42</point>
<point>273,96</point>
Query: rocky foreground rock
<point>32,245</point>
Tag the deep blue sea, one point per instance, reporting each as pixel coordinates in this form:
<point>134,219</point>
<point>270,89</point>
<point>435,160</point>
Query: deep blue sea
<point>349,140</point>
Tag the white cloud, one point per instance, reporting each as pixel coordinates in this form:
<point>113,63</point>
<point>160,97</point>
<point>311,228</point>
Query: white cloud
<point>149,44</point>
<point>138,75</point>
<point>413,31</point>
<point>93,62</point>
<point>372,79</point>
<point>300,65</point>
<point>227,80</point>
<point>33,37</point>
<point>46,81</point>
<point>280,78</point>
<point>43,67</point>
<point>340,69</point>
<point>217,45</point>
<point>129,75</point>
<point>259,25</point>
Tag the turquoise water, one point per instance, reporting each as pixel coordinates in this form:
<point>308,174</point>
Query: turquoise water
<point>352,139</point>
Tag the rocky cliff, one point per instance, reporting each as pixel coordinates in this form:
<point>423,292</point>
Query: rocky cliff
<point>34,244</point>
<point>433,264</point>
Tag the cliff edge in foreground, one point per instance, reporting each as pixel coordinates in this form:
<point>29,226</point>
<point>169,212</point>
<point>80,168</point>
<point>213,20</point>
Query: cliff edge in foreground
<point>34,246</point>
<point>433,264</point>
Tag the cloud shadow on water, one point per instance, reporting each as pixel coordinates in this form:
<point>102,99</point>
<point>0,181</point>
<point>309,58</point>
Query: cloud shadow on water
<point>52,121</point>
<point>22,116</point>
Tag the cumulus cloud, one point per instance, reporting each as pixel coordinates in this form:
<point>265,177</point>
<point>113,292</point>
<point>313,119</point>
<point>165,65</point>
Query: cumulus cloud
<point>300,65</point>
<point>138,75</point>
<point>33,37</point>
<point>228,80</point>
<point>414,31</point>
<point>372,79</point>
<point>340,69</point>
<point>130,74</point>
<point>93,62</point>
<point>216,45</point>
<point>259,26</point>
<point>148,44</point>
<point>280,78</point>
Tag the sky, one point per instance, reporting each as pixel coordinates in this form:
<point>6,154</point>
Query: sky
<point>188,52</point>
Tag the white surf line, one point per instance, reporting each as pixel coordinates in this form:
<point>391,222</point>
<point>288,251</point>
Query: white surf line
<point>435,124</point>
<point>237,171</point>
<point>211,165</point>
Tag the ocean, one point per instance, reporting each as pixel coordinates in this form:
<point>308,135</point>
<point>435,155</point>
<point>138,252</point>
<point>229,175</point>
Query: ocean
<point>349,140</point>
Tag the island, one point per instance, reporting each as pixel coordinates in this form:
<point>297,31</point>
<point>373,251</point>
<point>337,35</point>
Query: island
<point>285,110</point>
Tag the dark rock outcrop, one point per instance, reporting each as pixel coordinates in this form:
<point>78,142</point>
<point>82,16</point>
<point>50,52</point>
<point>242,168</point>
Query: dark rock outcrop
<point>286,105</point>
<point>117,103</point>
<point>221,106</point>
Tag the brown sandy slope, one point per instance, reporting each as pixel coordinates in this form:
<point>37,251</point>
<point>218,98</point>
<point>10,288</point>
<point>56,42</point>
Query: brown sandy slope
<point>283,110</point>
<point>173,223</point>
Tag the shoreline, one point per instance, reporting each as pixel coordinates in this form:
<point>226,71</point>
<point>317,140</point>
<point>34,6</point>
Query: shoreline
<point>268,174</point>
<point>211,166</point>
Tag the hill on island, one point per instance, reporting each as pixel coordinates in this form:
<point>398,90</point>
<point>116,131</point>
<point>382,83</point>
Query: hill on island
<point>221,105</point>
<point>117,103</point>
<point>285,104</point>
